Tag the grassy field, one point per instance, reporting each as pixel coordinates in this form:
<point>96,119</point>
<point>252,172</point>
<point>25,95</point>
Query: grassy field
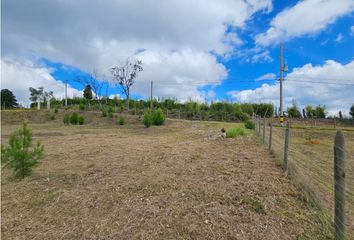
<point>177,181</point>
<point>311,160</point>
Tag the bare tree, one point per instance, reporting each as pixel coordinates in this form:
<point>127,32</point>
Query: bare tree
<point>95,84</point>
<point>125,75</point>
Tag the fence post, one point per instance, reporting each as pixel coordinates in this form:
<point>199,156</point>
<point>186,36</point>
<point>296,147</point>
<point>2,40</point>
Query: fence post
<point>286,146</point>
<point>339,186</point>
<point>259,126</point>
<point>270,136</point>
<point>263,134</point>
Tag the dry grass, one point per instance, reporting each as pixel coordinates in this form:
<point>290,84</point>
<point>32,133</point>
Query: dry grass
<point>178,181</point>
<point>311,162</point>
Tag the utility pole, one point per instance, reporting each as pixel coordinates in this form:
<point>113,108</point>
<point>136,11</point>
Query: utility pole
<point>151,96</point>
<point>283,68</point>
<point>66,94</point>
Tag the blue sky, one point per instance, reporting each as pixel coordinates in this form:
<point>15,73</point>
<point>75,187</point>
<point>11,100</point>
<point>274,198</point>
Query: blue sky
<point>205,50</point>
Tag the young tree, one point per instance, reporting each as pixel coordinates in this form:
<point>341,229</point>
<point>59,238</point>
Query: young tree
<point>88,92</point>
<point>37,95</point>
<point>293,111</point>
<point>47,96</point>
<point>20,155</point>
<point>125,75</point>
<point>95,84</point>
<point>8,99</point>
<point>321,111</point>
<point>351,111</point>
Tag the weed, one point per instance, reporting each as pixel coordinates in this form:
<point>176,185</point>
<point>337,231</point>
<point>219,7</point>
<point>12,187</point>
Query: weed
<point>81,120</point>
<point>66,119</point>
<point>250,125</point>
<point>234,132</point>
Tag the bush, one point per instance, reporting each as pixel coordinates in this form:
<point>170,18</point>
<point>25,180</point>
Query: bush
<point>56,110</point>
<point>66,119</point>
<point>81,120</point>
<point>20,155</point>
<point>234,132</point>
<point>250,125</point>
<point>147,119</point>
<point>74,119</point>
<point>110,114</point>
<point>121,120</point>
<point>52,117</point>
<point>110,110</point>
<point>82,106</point>
<point>104,113</point>
<point>158,118</point>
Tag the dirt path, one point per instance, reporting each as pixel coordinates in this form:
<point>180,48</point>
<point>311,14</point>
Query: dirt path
<point>179,181</point>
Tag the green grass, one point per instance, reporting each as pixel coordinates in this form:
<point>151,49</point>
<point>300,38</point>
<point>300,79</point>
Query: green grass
<point>235,132</point>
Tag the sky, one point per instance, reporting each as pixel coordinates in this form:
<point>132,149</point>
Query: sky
<point>201,50</point>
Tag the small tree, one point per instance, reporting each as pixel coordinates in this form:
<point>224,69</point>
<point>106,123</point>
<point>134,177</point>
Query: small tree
<point>95,84</point>
<point>36,95</point>
<point>8,99</point>
<point>125,75</point>
<point>88,92</point>
<point>321,111</point>
<point>351,111</point>
<point>20,155</point>
<point>293,111</point>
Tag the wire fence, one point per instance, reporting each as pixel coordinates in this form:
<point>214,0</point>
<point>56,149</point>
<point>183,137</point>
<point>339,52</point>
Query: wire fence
<point>310,160</point>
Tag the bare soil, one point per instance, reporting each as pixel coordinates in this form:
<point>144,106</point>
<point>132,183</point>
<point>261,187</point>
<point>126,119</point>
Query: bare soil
<point>177,181</point>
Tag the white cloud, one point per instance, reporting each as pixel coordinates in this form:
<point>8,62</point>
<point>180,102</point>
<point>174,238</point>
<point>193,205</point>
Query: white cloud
<point>179,74</point>
<point>19,75</point>
<point>302,84</point>
<point>306,17</point>
<point>165,34</point>
<point>339,38</point>
<point>267,76</point>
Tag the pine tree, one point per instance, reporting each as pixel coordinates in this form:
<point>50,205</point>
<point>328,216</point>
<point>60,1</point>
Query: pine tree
<point>20,155</point>
<point>88,92</point>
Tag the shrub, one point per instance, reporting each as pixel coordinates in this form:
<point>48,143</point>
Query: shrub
<point>82,106</point>
<point>81,120</point>
<point>52,117</point>
<point>147,119</point>
<point>20,155</point>
<point>158,118</point>
<point>110,114</point>
<point>104,113</point>
<point>56,110</point>
<point>121,120</point>
<point>66,119</point>
<point>250,125</point>
<point>110,110</point>
<point>74,119</point>
<point>234,132</point>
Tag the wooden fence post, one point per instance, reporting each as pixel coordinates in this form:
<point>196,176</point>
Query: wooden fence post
<point>270,136</point>
<point>339,186</point>
<point>286,146</point>
<point>264,126</point>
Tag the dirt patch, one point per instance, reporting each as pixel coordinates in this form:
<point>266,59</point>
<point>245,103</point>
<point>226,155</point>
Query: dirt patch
<point>178,181</point>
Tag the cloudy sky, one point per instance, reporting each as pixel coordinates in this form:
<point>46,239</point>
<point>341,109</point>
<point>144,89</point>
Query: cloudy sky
<point>201,50</point>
